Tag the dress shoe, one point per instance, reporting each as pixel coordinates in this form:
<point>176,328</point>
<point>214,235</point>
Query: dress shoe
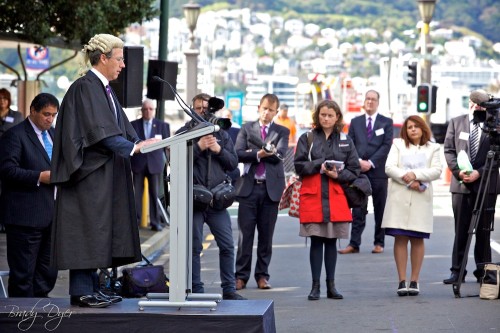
<point>156,228</point>
<point>378,249</point>
<point>453,279</point>
<point>331,291</point>
<point>315,292</point>
<point>349,249</point>
<point>402,289</point>
<point>263,284</point>
<point>90,301</point>
<point>413,288</point>
<point>479,274</point>
<point>233,297</point>
<point>110,296</point>
<point>240,284</point>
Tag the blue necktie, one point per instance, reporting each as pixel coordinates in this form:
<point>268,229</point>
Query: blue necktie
<point>147,133</point>
<point>47,144</point>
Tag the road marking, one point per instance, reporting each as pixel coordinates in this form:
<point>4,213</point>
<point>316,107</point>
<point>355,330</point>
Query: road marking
<point>495,246</point>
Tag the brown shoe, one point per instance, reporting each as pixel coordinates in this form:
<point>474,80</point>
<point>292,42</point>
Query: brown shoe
<point>349,249</point>
<point>263,284</point>
<point>240,284</point>
<point>378,249</point>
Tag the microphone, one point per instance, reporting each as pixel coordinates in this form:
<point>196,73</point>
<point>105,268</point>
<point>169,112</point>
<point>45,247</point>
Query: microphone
<point>479,97</point>
<point>190,112</point>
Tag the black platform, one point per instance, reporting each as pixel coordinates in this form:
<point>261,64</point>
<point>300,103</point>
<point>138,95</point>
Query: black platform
<point>56,314</point>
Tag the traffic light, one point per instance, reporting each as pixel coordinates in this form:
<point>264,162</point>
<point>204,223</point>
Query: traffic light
<point>424,98</point>
<point>412,74</point>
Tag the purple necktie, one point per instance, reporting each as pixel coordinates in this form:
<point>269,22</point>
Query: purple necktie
<point>369,129</point>
<point>261,168</point>
<point>108,93</point>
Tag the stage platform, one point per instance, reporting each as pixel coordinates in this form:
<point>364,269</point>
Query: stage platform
<point>56,314</point>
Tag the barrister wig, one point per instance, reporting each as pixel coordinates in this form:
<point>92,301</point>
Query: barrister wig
<point>100,44</point>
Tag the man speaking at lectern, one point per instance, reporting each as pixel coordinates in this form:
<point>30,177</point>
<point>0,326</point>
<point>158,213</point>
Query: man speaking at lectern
<point>95,222</point>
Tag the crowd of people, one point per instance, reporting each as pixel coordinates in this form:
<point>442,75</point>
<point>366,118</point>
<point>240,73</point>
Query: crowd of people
<point>84,181</point>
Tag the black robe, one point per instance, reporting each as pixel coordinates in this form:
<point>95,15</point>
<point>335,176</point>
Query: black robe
<point>95,221</point>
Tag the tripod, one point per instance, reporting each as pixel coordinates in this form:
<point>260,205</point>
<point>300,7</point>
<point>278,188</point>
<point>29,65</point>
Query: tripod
<point>484,185</point>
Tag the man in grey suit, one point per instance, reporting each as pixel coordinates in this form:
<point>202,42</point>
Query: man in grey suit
<point>27,199</point>
<point>372,136</point>
<point>461,136</point>
<point>259,190</point>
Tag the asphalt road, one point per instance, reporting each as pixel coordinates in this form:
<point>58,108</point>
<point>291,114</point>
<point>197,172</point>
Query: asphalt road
<point>368,282</point>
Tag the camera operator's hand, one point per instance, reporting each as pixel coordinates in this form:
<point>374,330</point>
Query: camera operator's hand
<point>143,144</point>
<point>209,142</point>
<point>469,178</point>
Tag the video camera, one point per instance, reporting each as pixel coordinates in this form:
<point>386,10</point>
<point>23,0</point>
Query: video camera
<point>214,105</point>
<point>490,118</point>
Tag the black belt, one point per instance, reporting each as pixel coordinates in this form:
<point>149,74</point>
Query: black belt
<point>260,181</point>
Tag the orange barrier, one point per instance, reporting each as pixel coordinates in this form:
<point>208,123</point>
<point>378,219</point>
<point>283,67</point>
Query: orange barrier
<point>447,176</point>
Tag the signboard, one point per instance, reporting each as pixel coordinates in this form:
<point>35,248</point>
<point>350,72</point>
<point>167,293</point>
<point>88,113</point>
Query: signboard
<point>37,58</point>
<point>234,102</point>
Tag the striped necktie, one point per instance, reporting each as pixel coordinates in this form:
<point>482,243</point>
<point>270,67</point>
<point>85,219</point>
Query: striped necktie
<point>369,129</point>
<point>47,144</point>
<point>474,142</point>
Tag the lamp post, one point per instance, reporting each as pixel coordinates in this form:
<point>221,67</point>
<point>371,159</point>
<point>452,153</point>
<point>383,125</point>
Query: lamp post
<point>426,9</point>
<point>191,13</point>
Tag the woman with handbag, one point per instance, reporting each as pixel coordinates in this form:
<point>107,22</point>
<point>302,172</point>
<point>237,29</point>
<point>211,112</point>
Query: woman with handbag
<point>324,163</point>
<point>413,163</point>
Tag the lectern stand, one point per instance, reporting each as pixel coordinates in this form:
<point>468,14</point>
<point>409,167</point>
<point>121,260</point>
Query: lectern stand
<point>181,222</point>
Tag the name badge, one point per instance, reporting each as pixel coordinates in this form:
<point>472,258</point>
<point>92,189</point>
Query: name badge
<point>158,136</point>
<point>379,132</point>
<point>464,136</point>
<point>9,119</point>
<point>343,145</point>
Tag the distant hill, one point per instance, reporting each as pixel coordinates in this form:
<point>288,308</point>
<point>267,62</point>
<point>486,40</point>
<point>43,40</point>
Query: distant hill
<point>481,17</point>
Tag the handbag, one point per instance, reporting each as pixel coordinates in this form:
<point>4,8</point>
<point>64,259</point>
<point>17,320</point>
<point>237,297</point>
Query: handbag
<point>202,197</point>
<point>291,194</point>
<point>490,283</point>
<point>358,191</point>
<point>290,197</point>
<point>223,195</point>
<point>140,280</point>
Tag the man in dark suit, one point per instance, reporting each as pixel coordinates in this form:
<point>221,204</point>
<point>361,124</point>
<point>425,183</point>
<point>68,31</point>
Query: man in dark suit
<point>372,136</point>
<point>259,190</point>
<point>464,134</point>
<point>150,165</point>
<point>27,199</point>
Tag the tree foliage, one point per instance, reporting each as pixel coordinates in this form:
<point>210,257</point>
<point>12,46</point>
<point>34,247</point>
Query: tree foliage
<point>70,23</point>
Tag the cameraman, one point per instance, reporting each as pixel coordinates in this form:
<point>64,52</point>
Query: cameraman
<point>465,134</point>
<point>223,159</point>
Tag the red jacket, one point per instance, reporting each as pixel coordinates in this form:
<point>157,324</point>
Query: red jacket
<point>311,201</point>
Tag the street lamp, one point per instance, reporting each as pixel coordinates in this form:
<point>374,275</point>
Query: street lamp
<point>426,9</point>
<point>191,13</point>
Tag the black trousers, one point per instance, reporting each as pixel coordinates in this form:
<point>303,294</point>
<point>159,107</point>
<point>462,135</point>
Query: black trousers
<point>463,205</point>
<point>28,256</point>
<point>255,211</point>
<point>379,197</point>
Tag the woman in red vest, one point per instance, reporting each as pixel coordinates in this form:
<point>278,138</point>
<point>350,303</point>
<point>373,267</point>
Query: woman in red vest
<point>325,158</point>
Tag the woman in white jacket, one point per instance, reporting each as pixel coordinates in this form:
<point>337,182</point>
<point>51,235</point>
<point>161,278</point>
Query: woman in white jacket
<point>413,163</point>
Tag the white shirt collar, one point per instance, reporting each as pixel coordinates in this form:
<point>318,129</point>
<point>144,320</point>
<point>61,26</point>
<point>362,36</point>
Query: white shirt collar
<point>101,77</point>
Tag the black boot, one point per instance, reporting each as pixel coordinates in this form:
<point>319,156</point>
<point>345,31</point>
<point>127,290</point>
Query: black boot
<point>331,292</point>
<point>314,294</point>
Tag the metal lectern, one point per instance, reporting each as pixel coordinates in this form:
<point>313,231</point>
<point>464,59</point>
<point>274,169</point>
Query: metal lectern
<point>181,222</point>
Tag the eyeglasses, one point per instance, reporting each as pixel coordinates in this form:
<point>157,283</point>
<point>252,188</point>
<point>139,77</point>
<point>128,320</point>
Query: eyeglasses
<point>119,59</point>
